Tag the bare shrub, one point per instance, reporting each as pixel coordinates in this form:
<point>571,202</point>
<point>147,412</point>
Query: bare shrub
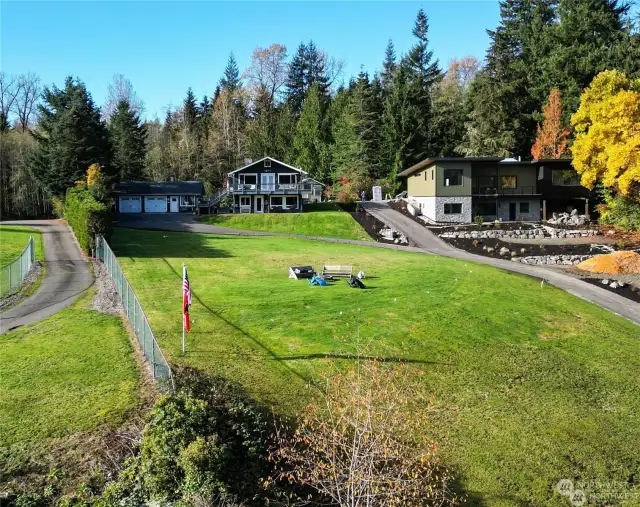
<point>365,444</point>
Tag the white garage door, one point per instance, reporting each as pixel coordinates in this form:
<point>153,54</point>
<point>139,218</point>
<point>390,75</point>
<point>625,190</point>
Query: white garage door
<point>155,204</point>
<point>130,205</point>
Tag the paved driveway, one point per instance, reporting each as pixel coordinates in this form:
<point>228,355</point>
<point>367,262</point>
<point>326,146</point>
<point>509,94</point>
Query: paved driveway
<point>429,242</point>
<point>67,276</point>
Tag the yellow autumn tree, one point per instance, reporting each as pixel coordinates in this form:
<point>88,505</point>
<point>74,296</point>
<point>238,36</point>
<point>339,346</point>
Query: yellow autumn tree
<point>607,127</point>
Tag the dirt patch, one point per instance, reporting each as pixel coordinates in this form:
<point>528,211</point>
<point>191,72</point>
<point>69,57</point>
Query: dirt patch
<point>492,247</point>
<point>625,262</point>
<point>369,223</point>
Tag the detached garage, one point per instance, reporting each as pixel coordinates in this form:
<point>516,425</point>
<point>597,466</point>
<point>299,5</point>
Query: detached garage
<point>157,196</point>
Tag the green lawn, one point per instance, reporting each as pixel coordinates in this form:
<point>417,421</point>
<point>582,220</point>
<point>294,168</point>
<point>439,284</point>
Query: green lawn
<point>14,239</point>
<point>529,384</point>
<point>64,375</point>
<point>324,219</point>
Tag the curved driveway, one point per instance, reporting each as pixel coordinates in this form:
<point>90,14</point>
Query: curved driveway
<point>67,276</point>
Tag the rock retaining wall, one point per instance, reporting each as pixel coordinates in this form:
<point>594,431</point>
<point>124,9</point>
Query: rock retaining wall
<point>552,259</point>
<point>539,233</point>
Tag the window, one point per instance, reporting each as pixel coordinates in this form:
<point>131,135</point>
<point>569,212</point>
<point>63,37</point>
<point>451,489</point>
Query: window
<point>287,179</point>
<point>486,208</point>
<point>524,207</point>
<point>291,200</point>
<point>245,200</point>
<point>453,178</point>
<point>452,208</point>
<point>248,179</point>
<point>187,200</point>
<point>425,175</point>
<point>565,178</point>
<point>433,172</point>
<point>508,181</point>
<point>267,163</point>
<point>276,201</point>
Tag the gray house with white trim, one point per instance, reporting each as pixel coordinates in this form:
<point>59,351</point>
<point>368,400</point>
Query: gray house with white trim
<point>269,186</point>
<point>157,196</point>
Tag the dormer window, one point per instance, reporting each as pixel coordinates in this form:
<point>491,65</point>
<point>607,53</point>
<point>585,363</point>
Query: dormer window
<point>267,162</point>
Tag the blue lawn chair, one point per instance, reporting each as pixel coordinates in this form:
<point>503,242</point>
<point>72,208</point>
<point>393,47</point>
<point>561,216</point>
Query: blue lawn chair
<point>317,280</point>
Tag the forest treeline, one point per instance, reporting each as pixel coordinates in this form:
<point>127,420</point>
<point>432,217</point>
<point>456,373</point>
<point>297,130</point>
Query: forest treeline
<point>300,109</point>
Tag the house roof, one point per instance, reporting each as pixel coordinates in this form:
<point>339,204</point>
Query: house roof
<point>430,161</point>
<point>159,188</point>
<point>313,181</point>
<point>273,160</point>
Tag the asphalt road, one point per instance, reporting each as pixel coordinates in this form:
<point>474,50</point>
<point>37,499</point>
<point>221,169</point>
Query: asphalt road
<point>67,276</point>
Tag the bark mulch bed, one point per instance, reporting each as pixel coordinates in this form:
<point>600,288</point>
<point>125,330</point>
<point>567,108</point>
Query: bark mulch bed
<point>628,291</point>
<point>369,223</point>
<point>475,246</point>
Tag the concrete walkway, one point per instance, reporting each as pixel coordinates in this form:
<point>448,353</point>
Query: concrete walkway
<point>67,276</point>
<point>429,242</point>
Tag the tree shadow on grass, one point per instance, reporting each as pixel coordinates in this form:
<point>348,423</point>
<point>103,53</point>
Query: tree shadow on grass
<point>358,357</point>
<point>183,245</point>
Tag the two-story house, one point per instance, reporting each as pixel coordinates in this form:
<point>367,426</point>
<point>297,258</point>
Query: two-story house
<point>267,186</point>
<point>456,189</point>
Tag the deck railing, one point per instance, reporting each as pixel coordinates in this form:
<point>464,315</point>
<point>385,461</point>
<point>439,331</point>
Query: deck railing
<point>270,188</point>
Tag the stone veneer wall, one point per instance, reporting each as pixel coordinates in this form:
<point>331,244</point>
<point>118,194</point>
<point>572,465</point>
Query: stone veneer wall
<point>465,216</point>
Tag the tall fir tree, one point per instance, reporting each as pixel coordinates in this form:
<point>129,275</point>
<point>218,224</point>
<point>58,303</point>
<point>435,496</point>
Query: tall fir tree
<point>306,68</point>
<point>309,146</point>
<point>423,74</point>
<point>190,110</point>
<point>231,77</point>
<point>128,139</point>
<point>71,136</point>
<point>388,66</point>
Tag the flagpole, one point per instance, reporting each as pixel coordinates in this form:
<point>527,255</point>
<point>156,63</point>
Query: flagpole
<point>184,266</point>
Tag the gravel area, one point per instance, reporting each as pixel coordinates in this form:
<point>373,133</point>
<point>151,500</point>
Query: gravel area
<point>106,299</point>
<point>16,297</point>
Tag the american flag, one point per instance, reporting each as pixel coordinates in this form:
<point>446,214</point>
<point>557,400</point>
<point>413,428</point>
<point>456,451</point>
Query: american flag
<point>186,298</point>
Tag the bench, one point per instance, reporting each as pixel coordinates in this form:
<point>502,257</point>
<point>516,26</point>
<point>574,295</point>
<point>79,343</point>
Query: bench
<point>337,271</point>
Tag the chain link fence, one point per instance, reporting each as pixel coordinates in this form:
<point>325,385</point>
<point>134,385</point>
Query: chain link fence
<point>136,316</point>
<point>13,274</point>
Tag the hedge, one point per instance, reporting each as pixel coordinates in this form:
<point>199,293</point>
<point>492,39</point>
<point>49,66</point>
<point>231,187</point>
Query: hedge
<point>86,216</point>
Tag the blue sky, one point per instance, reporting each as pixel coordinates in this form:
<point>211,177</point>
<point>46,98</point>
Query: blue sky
<point>165,47</point>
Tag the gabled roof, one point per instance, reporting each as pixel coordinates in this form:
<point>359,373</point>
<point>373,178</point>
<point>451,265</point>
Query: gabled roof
<point>313,181</point>
<point>159,188</point>
<point>273,160</point>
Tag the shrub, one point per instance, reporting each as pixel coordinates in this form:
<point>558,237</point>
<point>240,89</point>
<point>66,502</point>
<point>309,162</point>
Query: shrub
<point>479,220</point>
<point>621,211</point>
<point>86,216</point>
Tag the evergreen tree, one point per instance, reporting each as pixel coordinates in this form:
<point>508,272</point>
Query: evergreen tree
<point>231,78</point>
<point>310,138</point>
<point>190,110</point>
<point>128,138</point>
<point>307,68</point>
<point>388,66</point>
<point>423,73</point>
<point>70,135</point>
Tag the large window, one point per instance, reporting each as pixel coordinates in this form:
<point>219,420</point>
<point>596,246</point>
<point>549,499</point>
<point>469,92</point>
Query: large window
<point>245,200</point>
<point>508,181</point>
<point>524,207</point>
<point>453,178</point>
<point>276,201</point>
<point>287,179</point>
<point>486,208</point>
<point>248,179</point>
<point>187,200</point>
<point>291,200</point>
<point>565,178</point>
<point>452,208</point>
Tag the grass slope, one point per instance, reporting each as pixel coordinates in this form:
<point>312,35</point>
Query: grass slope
<point>529,384</point>
<point>14,239</point>
<point>66,374</point>
<point>324,219</point>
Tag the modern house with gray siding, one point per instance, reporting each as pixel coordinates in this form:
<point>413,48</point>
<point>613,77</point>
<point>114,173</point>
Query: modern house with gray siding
<point>269,186</point>
<point>157,196</point>
<point>457,189</point>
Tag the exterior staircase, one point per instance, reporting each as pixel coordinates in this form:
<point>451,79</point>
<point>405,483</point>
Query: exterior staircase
<point>217,197</point>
